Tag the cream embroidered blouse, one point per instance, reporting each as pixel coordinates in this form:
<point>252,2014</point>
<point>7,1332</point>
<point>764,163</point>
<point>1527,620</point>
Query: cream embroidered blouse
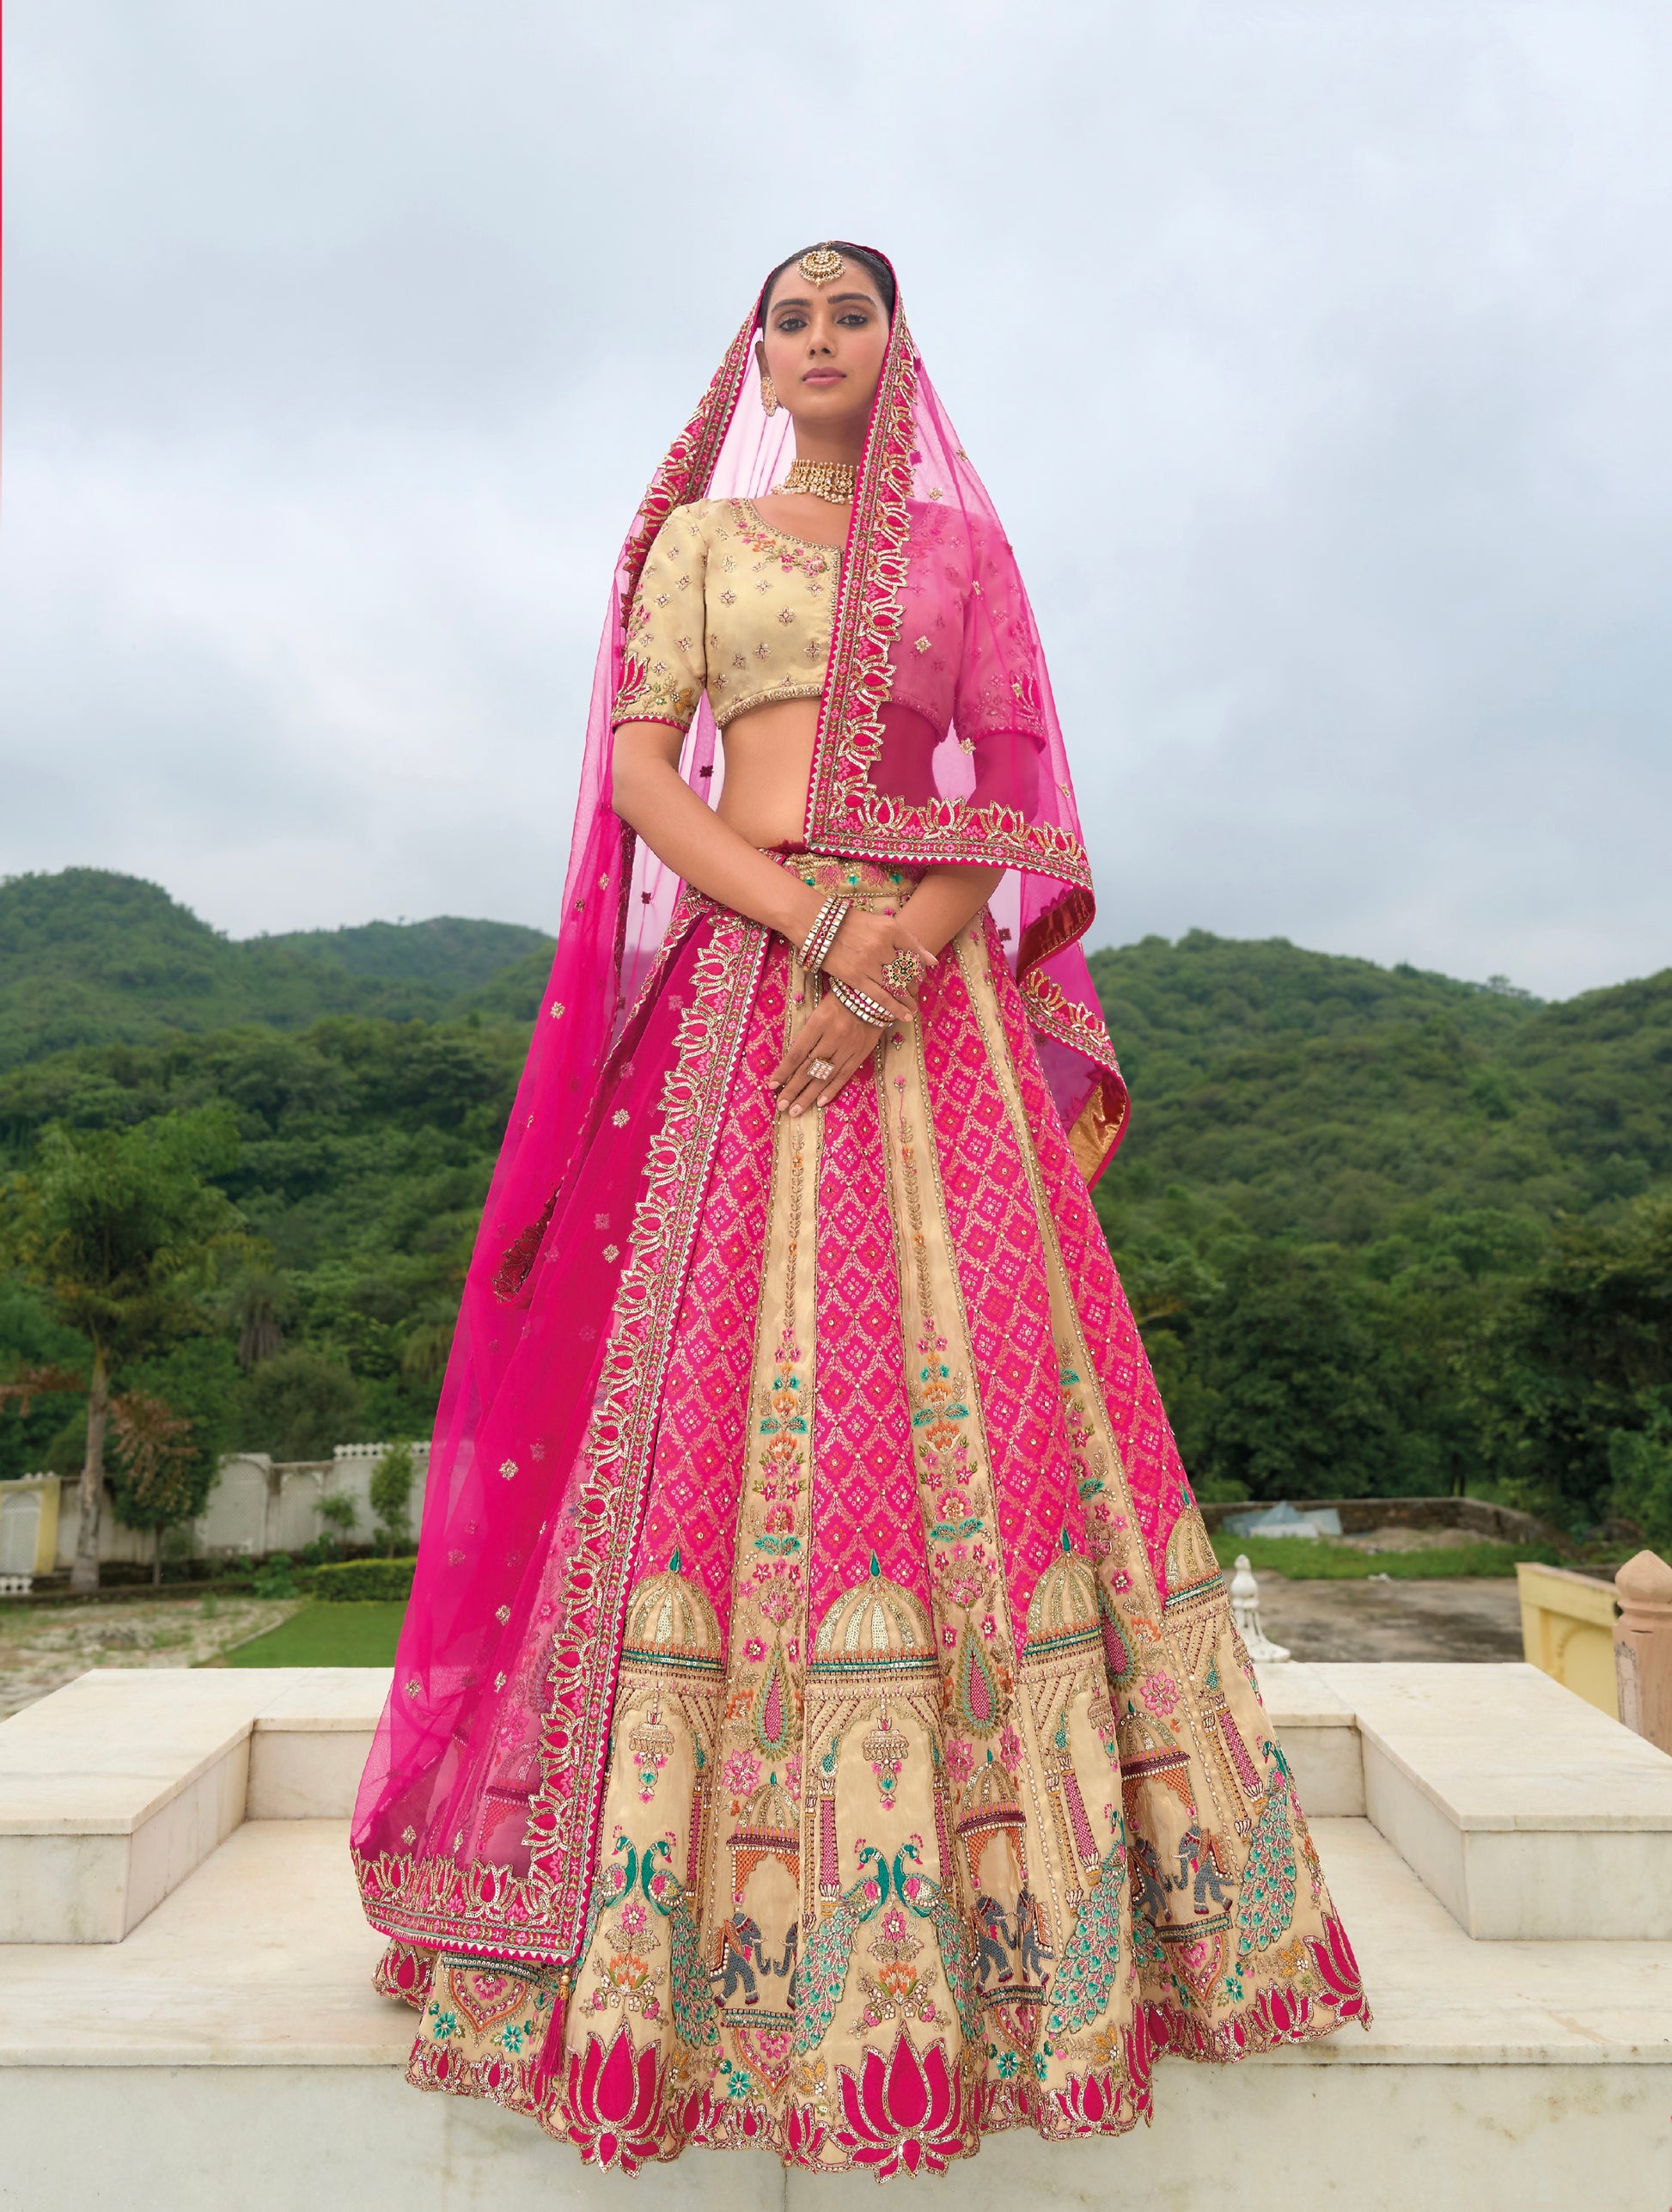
<point>728,605</point>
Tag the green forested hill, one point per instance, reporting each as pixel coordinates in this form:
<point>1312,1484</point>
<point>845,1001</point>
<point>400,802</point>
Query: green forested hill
<point>88,957</point>
<point>1384,1231</point>
<point>1351,1200</point>
<point>445,955</point>
<point>1331,1099</point>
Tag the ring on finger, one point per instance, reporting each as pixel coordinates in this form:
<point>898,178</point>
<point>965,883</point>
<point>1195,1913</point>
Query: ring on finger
<point>822,1070</point>
<point>902,972</point>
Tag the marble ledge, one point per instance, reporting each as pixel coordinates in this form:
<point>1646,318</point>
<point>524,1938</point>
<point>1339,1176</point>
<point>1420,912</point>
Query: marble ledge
<point>106,1753</point>
<point>1297,1694</point>
<point>324,1699</point>
<point>1610,1789</point>
<point>1510,1699</point>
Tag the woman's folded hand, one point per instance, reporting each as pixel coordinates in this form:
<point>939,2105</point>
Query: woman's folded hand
<point>878,954</point>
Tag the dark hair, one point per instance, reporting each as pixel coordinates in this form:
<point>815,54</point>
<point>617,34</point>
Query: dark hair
<point>873,264</point>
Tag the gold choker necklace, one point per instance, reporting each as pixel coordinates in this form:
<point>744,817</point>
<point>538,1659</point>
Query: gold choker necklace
<point>835,480</point>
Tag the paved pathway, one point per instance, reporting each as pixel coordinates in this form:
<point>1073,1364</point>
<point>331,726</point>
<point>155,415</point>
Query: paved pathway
<point>1462,1619</point>
<point>43,1646</point>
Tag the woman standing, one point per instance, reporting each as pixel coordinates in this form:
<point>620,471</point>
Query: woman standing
<point>819,1720</point>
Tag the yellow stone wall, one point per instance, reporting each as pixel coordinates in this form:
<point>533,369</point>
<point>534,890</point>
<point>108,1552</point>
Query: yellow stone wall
<point>1567,1630</point>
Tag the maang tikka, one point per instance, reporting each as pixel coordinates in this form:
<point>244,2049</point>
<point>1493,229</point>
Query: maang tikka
<point>822,265</point>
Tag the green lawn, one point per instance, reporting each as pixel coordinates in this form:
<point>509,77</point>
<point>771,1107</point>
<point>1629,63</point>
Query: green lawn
<point>1315,1559</point>
<point>360,1634</point>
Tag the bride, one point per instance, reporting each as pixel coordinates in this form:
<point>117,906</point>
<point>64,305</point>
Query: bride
<point>819,1721</point>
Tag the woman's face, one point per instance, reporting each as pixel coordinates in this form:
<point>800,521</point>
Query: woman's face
<point>823,348</point>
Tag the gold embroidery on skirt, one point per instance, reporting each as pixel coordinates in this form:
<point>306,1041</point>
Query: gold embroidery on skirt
<point>1217,1838</point>
<point>931,1829</point>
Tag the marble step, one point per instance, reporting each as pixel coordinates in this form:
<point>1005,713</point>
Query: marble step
<point>1527,1811</point>
<point>232,2051</point>
<point>113,1789</point>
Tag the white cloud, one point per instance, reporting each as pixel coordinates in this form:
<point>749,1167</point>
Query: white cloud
<point>1317,354</point>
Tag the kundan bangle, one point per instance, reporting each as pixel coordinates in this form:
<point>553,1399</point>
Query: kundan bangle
<point>859,1003</point>
<point>815,948</point>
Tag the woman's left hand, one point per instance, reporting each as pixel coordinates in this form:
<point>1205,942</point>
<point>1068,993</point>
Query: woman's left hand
<point>832,1042</point>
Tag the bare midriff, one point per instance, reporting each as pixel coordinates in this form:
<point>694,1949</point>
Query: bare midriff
<point>768,758</point>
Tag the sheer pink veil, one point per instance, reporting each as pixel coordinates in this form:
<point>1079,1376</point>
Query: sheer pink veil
<point>938,742</point>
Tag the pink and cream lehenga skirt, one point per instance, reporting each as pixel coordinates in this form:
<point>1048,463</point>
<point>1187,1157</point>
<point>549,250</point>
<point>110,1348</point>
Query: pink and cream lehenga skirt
<point>936,1796</point>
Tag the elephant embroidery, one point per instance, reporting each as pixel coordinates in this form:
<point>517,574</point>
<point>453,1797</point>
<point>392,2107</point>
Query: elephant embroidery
<point>1002,1946</point>
<point>789,1965</point>
<point>742,1959</point>
<point>1030,1938</point>
<point>1203,1876</point>
<point>740,1956</point>
<point>1152,1884</point>
<point>993,1943</point>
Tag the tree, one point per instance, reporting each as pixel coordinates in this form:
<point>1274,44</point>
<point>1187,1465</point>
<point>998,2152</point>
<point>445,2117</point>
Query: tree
<point>1297,1406</point>
<point>256,1308</point>
<point>391,1493</point>
<point>155,1487</point>
<point>338,1512</point>
<point>1579,1363</point>
<point>122,1233</point>
<point>299,1404</point>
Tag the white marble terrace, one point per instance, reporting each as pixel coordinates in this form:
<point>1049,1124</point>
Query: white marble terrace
<point>185,2017</point>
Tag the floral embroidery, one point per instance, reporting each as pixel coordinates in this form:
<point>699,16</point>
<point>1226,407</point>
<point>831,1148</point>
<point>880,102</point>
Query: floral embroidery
<point>790,552</point>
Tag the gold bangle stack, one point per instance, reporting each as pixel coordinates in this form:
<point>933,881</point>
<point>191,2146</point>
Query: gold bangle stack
<point>815,948</point>
<point>860,1004</point>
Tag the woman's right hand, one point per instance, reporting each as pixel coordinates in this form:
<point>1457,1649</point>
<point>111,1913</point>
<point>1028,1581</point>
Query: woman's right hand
<point>864,945</point>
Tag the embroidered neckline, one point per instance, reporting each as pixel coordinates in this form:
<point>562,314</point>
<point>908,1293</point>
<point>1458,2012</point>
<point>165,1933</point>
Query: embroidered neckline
<point>812,545</point>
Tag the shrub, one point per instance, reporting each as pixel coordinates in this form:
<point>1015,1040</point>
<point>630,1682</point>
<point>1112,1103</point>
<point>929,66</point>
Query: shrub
<point>390,1580</point>
<point>338,1511</point>
<point>276,1577</point>
<point>1641,1460</point>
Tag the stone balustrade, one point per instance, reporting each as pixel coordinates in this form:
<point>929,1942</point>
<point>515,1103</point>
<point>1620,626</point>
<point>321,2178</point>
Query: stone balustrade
<point>1567,1631</point>
<point>1643,1647</point>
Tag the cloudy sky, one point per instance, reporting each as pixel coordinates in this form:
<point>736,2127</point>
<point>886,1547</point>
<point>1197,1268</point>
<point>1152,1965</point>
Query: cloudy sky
<point>1317,351</point>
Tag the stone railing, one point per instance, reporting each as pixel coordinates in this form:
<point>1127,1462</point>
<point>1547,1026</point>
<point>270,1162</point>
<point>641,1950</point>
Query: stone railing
<point>1642,1646</point>
<point>1609,1642</point>
<point>1567,1631</point>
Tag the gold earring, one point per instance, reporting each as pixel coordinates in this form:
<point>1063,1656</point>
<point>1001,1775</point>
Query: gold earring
<point>768,396</point>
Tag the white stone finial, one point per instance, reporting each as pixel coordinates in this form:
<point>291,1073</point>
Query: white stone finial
<point>1245,1612</point>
